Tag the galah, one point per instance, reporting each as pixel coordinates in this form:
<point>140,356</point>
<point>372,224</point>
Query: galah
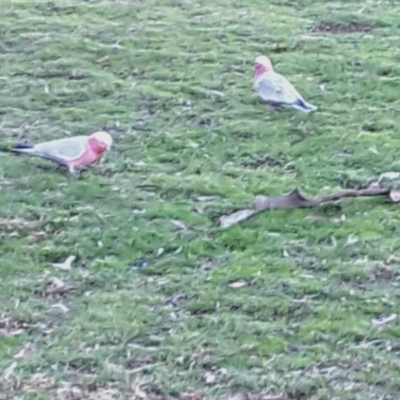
<point>275,89</point>
<point>73,152</point>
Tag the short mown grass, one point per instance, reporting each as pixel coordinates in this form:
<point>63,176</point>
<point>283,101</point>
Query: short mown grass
<point>160,302</point>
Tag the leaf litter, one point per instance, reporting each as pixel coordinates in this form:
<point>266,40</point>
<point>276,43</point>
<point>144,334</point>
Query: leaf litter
<point>66,265</point>
<point>178,224</point>
<point>384,322</point>
<point>56,286</point>
<point>37,237</point>
<point>237,284</point>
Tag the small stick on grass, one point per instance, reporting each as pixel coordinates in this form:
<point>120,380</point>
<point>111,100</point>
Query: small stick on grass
<point>295,200</point>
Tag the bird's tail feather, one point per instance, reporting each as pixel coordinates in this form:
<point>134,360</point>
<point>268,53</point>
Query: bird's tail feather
<point>29,149</point>
<point>304,106</point>
<point>23,148</point>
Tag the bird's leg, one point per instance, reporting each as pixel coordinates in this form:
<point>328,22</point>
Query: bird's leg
<point>47,168</point>
<point>59,167</point>
<point>274,107</point>
<point>75,173</point>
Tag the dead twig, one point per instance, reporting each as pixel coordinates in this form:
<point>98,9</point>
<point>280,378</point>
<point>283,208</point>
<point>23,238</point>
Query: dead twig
<point>295,200</point>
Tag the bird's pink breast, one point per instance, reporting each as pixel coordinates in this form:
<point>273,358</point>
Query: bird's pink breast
<point>259,70</point>
<point>94,152</point>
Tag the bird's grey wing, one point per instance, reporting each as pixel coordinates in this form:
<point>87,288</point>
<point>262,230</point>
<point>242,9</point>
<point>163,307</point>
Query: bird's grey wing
<point>291,93</point>
<point>62,151</point>
<point>275,88</point>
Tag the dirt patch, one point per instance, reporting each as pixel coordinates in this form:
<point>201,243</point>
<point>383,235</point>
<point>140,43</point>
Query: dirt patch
<point>344,29</point>
<point>14,327</point>
<point>176,300</point>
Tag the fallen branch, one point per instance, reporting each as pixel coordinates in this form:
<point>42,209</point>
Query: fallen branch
<point>295,200</point>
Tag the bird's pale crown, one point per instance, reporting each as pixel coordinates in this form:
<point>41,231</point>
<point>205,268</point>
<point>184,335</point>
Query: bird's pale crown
<point>103,137</point>
<point>263,60</point>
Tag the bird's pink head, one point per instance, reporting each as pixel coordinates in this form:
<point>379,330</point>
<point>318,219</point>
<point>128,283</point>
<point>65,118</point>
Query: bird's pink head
<point>100,142</point>
<point>263,65</point>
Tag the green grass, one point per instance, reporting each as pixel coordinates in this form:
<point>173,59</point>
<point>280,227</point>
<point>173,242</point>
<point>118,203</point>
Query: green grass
<point>147,308</point>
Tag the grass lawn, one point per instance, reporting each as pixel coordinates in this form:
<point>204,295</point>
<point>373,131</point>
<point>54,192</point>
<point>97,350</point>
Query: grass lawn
<point>161,303</point>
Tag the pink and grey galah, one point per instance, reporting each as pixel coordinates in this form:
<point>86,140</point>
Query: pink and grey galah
<point>73,153</point>
<point>275,90</point>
